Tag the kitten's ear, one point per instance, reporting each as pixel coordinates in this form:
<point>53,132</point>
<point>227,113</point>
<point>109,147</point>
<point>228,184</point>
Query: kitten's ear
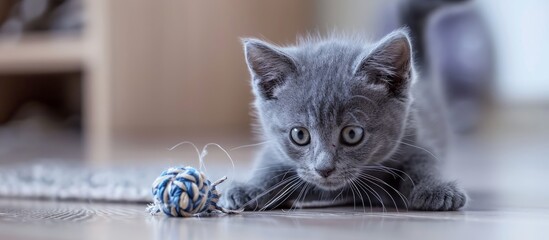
<point>268,66</point>
<point>389,63</point>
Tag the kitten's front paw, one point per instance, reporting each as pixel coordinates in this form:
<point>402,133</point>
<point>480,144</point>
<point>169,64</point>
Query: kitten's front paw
<point>440,196</point>
<point>240,195</point>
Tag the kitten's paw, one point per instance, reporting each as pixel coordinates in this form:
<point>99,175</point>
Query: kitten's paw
<point>240,195</point>
<point>440,196</point>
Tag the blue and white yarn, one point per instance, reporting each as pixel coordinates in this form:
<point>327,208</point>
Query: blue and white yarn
<point>185,192</point>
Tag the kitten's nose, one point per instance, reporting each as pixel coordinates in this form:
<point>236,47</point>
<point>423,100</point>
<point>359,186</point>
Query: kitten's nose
<point>325,172</point>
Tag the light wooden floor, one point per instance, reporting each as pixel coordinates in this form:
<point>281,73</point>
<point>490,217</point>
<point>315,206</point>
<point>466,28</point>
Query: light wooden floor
<point>52,220</point>
<point>504,173</point>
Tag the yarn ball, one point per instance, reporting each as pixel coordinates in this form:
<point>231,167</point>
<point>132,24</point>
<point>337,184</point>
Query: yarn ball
<point>184,192</point>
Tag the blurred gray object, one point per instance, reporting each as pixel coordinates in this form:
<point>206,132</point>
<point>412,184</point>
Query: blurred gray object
<point>54,16</point>
<point>460,53</point>
<point>414,14</point>
<point>452,46</point>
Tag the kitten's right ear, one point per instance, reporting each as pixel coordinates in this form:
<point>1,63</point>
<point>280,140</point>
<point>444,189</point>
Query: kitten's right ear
<point>268,66</point>
<point>390,63</point>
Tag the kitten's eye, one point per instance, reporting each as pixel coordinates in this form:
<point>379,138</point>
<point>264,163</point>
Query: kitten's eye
<point>300,136</point>
<point>351,135</point>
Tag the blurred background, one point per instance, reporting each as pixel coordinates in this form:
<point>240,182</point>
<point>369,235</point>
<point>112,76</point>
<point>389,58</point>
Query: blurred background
<point>104,82</point>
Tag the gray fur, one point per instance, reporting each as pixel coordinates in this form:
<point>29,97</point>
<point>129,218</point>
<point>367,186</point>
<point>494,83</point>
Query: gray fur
<point>325,84</point>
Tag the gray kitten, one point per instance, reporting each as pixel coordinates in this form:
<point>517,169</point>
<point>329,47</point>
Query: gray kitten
<point>344,123</point>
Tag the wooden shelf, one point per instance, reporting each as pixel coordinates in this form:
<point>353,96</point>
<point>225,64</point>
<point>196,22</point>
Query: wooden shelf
<point>41,53</point>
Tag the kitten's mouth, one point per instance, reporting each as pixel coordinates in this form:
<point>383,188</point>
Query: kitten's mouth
<point>332,185</point>
<point>329,183</point>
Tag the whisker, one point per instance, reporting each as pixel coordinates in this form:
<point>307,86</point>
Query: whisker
<point>379,169</point>
<point>280,195</point>
<point>284,181</point>
<point>307,192</point>
<point>400,171</point>
<point>353,192</point>
<point>360,194</point>
<point>376,195</point>
<point>273,178</point>
<point>322,195</point>
<point>372,182</point>
<point>302,192</point>
<point>292,188</point>
<point>249,145</point>
<point>402,197</point>
<point>308,187</point>
<point>285,173</point>
<point>368,196</point>
<point>262,171</point>
<point>276,196</point>
<point>339,194</point>
<point>363,98</point>
<point>418,147</point>
<point>297,198</point>
<point>280,171</point>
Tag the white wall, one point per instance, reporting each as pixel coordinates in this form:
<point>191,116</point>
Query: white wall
<point>521,34</point>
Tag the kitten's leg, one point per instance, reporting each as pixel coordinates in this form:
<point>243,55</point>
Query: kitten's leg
<point>270,180</point>
<point>429,191</point>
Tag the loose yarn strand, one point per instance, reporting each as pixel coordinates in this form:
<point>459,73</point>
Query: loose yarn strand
<point>205,152</point>
<point>200,156</point>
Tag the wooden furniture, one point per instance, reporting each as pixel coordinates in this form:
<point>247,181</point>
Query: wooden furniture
<point>155,68</point>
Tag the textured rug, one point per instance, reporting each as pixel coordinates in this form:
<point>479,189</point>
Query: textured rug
<point>66,182</point>
<point>63,181</point>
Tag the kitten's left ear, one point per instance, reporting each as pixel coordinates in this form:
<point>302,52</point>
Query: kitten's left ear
<point>389,63</point>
